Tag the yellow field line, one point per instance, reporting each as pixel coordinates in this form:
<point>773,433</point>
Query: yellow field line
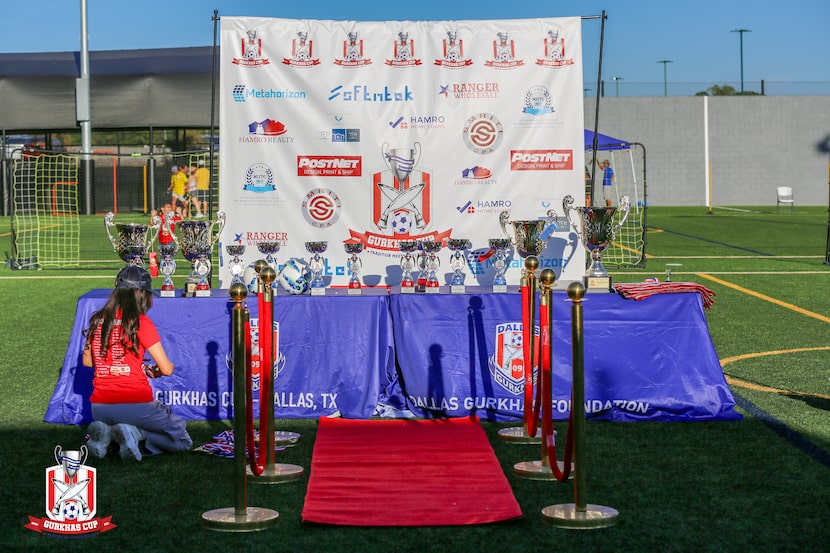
<point>764,297</point>
<point>733,381</point>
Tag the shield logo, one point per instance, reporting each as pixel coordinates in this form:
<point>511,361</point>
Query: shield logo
<point>71,498</point>
<point>401,192</point>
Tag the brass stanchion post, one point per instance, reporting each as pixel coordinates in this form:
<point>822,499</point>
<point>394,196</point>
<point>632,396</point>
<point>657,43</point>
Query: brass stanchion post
<point>240,517</point>
<point>273,473</point>
<point>522,434</point>
<point>579,514</point>
<point>542,469</point>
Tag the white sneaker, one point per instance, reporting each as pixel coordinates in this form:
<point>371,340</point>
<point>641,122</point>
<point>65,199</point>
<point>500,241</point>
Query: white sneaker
<point>127,436</point>
<point>99,436</point>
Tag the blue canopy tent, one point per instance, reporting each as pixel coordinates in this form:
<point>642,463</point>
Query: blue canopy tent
<point>628,160</point>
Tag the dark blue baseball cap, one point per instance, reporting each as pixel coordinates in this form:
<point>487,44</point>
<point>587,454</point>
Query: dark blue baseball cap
<point>135,277</point>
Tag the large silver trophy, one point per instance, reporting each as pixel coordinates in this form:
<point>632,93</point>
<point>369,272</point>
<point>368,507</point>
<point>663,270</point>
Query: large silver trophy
<point>596,228</point>
<point>402,195</point>
<point>354,265</point>
<point>316,265</point>
<point>528,237</point>
<point>408,263</point>
<point>134,239</point>
<point>196,242</point>
<point>458,260</point>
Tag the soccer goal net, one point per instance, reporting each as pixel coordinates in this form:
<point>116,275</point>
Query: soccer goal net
<point>628,164</point>
<point>45,224</point>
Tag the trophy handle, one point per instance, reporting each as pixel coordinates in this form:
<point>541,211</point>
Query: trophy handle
<point>417,148</point>
<point>550,226</point>
<point>107,224</point>
<point>384,153</point>
<point>503,217</point>
<point>58,448</point>
<point>625,207</point>
<point>567,207</point>
<point>220,220</point>
<point>155,226</point>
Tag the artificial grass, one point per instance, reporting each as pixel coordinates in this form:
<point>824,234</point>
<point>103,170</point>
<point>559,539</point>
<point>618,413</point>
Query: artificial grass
<point>699,487</point>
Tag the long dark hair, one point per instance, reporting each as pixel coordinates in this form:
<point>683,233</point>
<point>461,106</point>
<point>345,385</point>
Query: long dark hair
<point>130,302</point>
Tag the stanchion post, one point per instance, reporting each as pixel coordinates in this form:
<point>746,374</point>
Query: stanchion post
<point>579,514</point>
<point>240,517</point>
<point>273,472</point>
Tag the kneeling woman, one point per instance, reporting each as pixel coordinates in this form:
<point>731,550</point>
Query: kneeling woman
<point>122,401</point>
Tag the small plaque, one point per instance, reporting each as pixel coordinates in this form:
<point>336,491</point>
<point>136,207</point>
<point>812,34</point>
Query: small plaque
<point>432,289</point>
<point>190,289</point>
<point>355,291</point>
<point>167,293</point>
<point>318,291</point>
<point>407,289</point>
<point>458,289</point>
<point>598,284</point>
<point>203,293</point>
<point>500,288</point>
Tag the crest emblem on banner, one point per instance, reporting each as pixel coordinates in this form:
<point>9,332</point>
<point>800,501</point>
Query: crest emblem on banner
<point>483,133</point>
<point>402,203</point>
<point>538,101</point>
<point>302,52</point>
<point>554,50</point>
<point>352,52</point>
<point>251,51</point>
<point>507,363</point>
<point>404,52</point>
<point>453,52</point>
<point>259,178</point>
<point>504,53</point>
<point>71,498</point>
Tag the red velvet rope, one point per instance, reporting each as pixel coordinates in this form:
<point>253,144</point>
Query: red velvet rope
<point>256,468</point>
<point>546,385</point>
<point>266,369</point>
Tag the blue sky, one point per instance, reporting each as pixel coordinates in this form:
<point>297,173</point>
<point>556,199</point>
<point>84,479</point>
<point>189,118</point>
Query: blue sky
<point>789,41</point>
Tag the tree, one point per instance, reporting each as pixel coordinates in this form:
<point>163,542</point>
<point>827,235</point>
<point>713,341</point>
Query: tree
<point>724,90</point>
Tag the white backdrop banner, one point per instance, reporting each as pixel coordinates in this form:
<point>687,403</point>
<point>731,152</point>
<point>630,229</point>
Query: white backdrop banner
<point>377,132</point>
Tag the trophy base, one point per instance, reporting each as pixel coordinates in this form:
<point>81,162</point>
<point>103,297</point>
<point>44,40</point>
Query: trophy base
<point>355,291</point>
<point>598,283</point>
<point>500,288</point>
<point>458,289</point>
<point>167,293</point>
<point>407,289</point>
<point>203,293</point>
<point>318,291</point>
<point>432,289</point>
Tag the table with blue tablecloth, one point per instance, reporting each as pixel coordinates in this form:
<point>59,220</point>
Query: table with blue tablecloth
<point>336,356</point>
<point>428,355</point>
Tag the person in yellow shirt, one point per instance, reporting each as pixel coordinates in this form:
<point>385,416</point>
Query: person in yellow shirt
<point>178,185</point>
<point>202,188</point>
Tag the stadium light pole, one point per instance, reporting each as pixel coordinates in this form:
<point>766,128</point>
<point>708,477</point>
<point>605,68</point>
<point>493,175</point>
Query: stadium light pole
<point>617,84</point>
<point>741,33</point>
<point>665,81</point>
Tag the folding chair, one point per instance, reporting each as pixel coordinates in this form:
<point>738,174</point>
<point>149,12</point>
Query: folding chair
<point>785,196</point>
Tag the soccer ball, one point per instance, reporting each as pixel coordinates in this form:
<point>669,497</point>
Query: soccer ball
<point>293,276</point>
<point>249,278</point>
<point>70,510</point>
<point>401,222</point>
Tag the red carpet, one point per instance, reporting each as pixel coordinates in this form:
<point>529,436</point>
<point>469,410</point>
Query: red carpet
<point>406,473</point>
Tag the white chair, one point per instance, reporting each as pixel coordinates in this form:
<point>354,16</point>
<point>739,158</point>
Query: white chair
<point>785,196</point>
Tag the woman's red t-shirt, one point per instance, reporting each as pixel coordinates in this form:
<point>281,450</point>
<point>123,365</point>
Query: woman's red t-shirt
<point>119,378</point>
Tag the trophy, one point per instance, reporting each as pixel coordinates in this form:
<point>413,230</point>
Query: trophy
<point>431,264</point>
<point>421,263</point>
<point>168,267</point>
<point>71,461</point>
<point>268,248</point>
<point>354,264</point>
<point>500,247</point>
<point>407,265</point>
<point>134,239</point>
<point>316,264</point>
<point>196,241</point>
<point>401,194</point>
<point>597,230</point>
<point>235,265</point>
<point>457,262</point>
<point>529,238</point>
